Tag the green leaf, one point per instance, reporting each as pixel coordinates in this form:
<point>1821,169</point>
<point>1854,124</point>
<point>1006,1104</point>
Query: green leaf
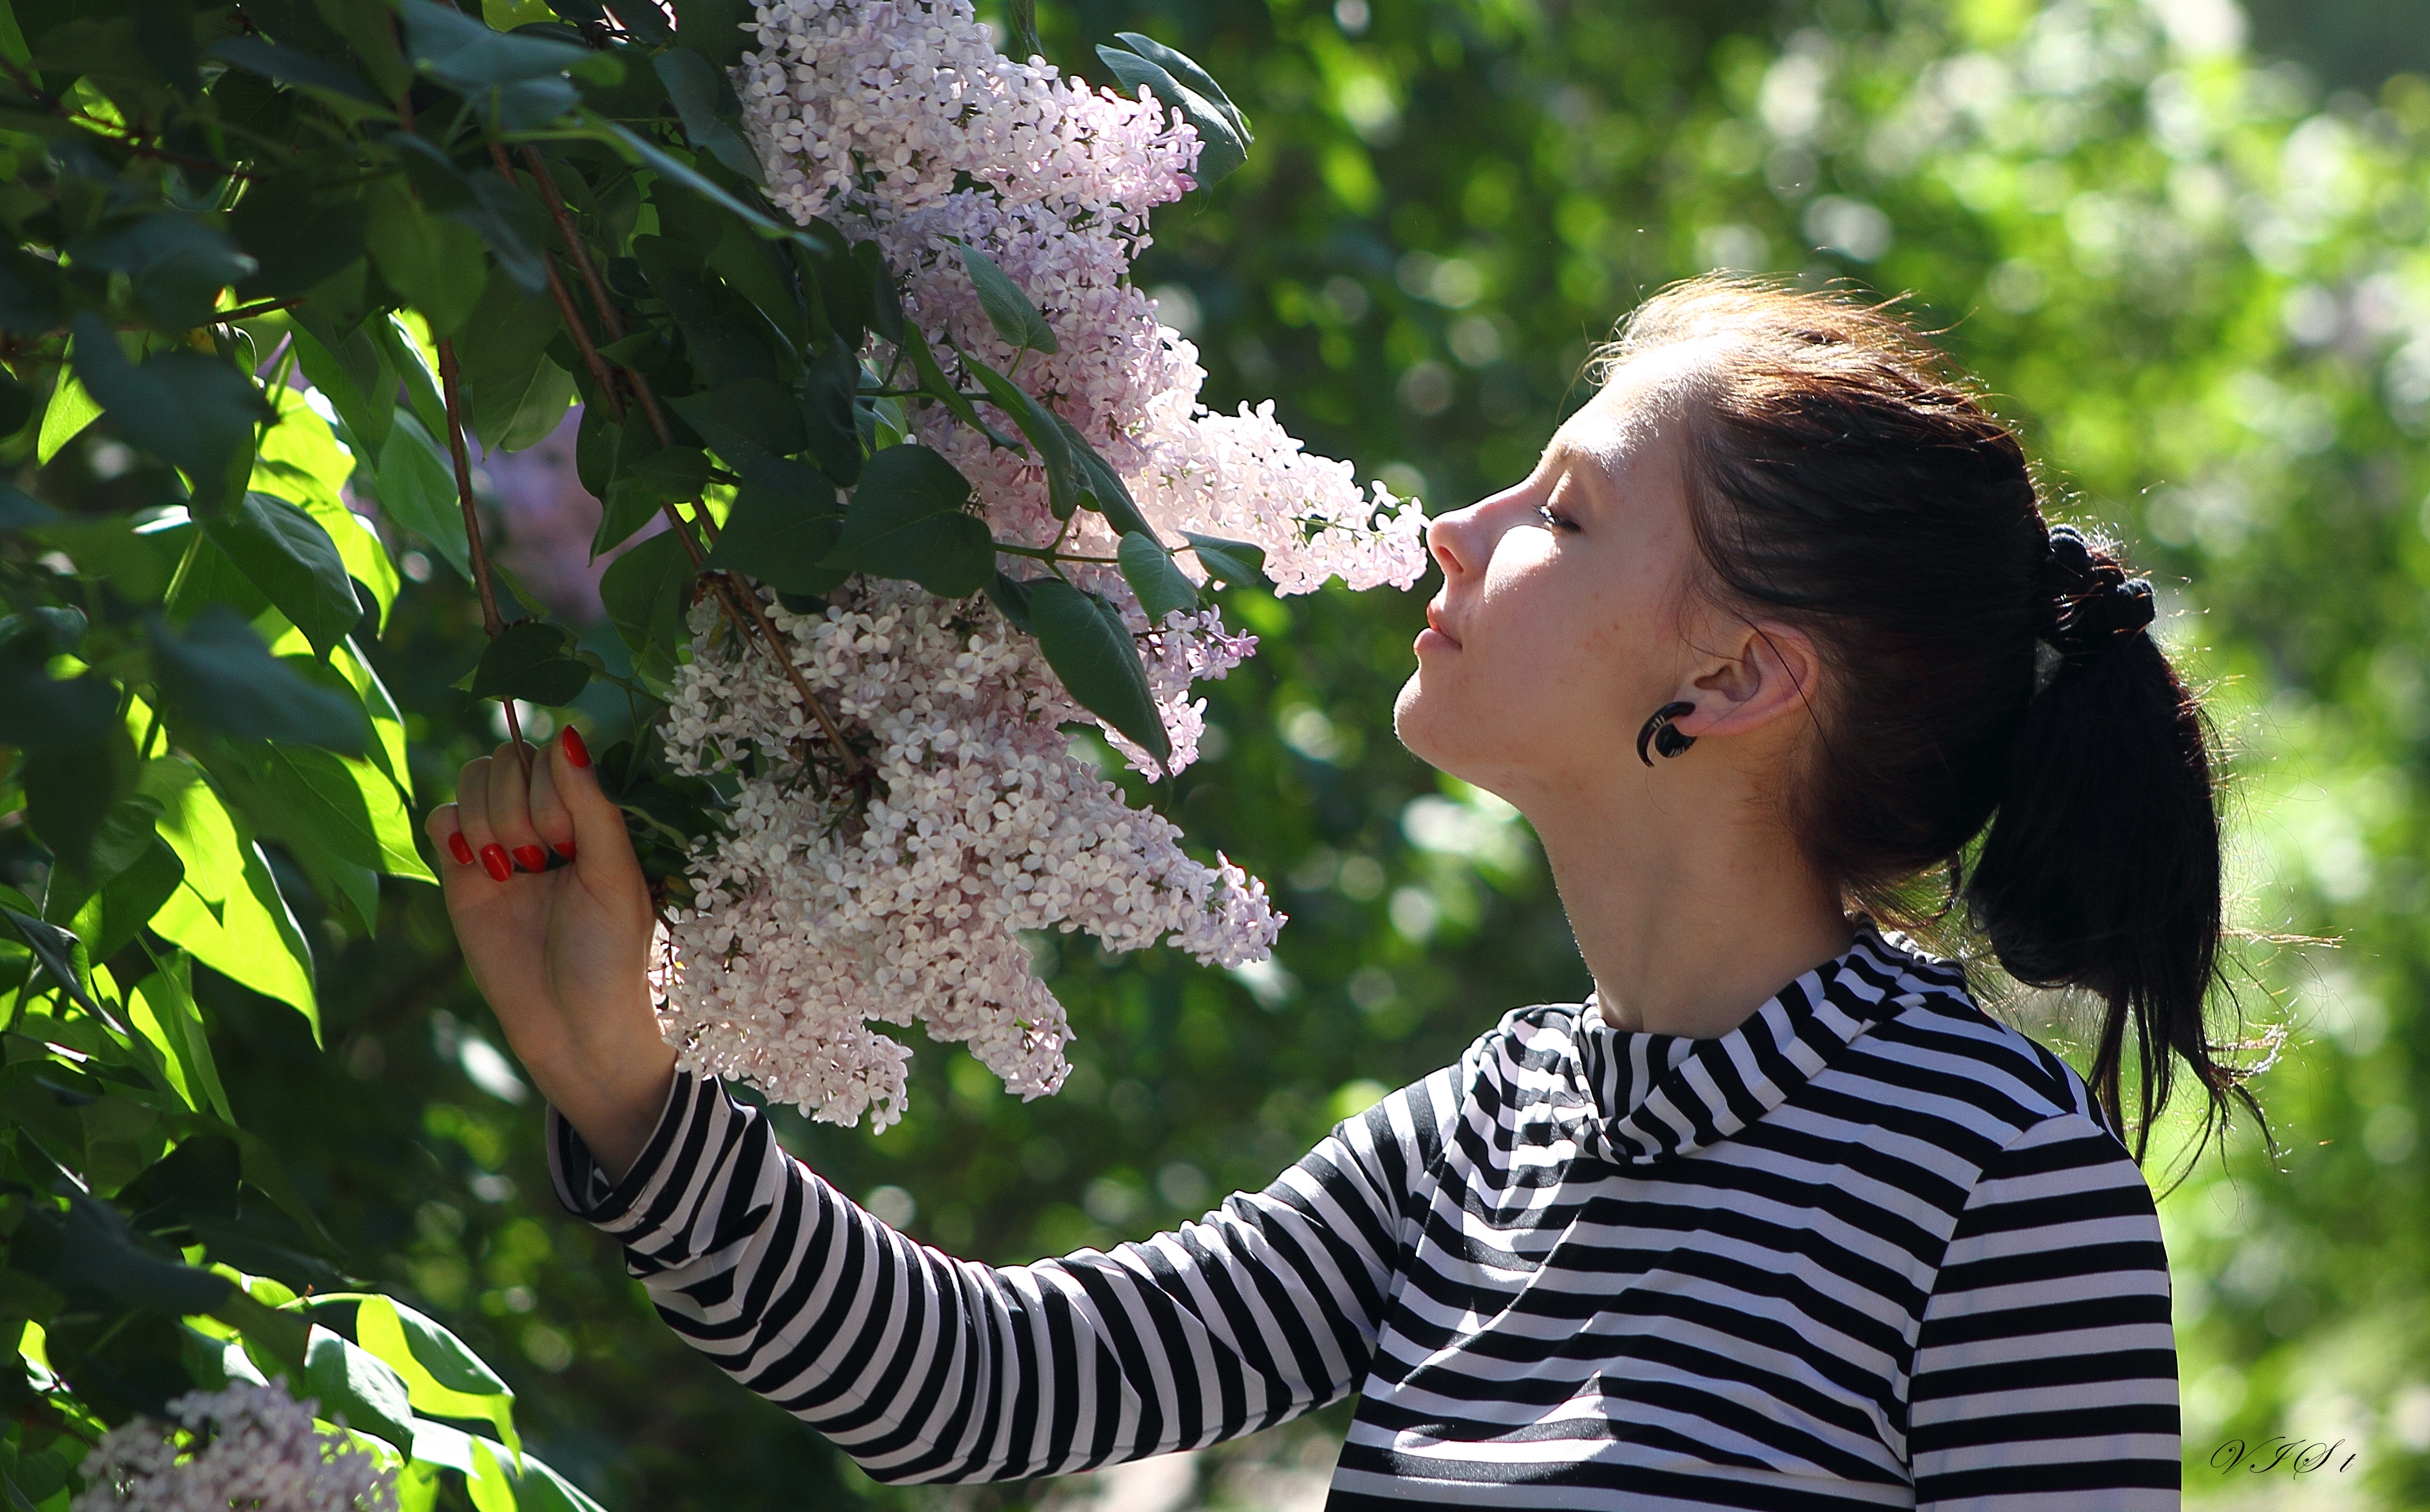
<point>1148,568</point>
<point>1008,308</point>
<point>113,917</point>
<point>354,373</point>
<point>435,262</point>
<point>416,490</point>
<point>706,103</point>
<point>368,27</point>
<point>1099,486</point>
<point>500,355</point>
<point>195,412</point>
<point>228,911</point>
<point>54,952</point>
<point>344,803</point>
<point>442,1375</point>
<point>830,422</point>
<point>1224,146</point>
<point>754,269</point>
<point>1010,595</point>
<point>646,593</point>
<point>287,554</point>
<point>294,238</point>
<point>413,365</point>
<point>714,27</point>
<point>219,676</point>
<point>162,1008</point>
<point>69,794</point>
<point>70,409</point>
<point>636,148</point>
<point>907,521</point>
<point>39,712</point>
<point>885,292</point>
<point>1043,427</point>
<point>543,1489</point>
<point>1185,71</point>
<point>467,56</point>
<point>723,339</point>
<point>671,474</point>
<point>99,1253</point>
<point>178,263</point>
<point>937,386</point>
<point>356,1385</point>
<point>1091,649</point>
<point>530,661</point>
<point>542,408</point>
<point>297,69</point>
<point>746,420</point>
<point>780,532</point>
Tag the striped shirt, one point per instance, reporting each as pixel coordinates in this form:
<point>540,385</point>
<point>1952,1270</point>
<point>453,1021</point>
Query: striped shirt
<point>1871,1248</point>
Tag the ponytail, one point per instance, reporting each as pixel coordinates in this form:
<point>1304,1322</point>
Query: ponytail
<point>1986,669</point>
<point>2101,872</point>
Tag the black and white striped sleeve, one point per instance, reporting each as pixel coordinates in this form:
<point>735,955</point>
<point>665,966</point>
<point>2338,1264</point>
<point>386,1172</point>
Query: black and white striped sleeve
<point>928,1369</point>
<point>2046,1364</point>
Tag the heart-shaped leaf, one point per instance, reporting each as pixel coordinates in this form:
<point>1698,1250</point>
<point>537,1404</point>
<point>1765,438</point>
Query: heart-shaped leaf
<point>532,661</point>
<point>1161,586</point>
<point>907,521</point>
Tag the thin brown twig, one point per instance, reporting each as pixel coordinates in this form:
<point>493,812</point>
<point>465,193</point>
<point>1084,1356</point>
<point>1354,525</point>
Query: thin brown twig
<point>246,312</point>
<point>490,621</point>
<point>574,325</point>
<point>749,597</point>
<point>608,315</point>
<point>733,597</point>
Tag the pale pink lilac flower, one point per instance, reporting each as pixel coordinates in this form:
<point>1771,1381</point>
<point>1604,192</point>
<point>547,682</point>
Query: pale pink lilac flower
<point>249,1448</point>
<point>817,914</point>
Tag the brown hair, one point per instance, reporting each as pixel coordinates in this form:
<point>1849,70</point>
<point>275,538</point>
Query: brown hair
<point>1843,478</point>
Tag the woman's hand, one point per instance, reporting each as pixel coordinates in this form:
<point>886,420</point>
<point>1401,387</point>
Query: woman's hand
<point>563,955</point>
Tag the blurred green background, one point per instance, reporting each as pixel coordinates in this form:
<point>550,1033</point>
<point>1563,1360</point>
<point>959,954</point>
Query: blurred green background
<point>2186,248</point>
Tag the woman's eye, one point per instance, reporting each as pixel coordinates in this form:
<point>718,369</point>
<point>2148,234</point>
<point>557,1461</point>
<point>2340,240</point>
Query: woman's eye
<point>1555,519</point>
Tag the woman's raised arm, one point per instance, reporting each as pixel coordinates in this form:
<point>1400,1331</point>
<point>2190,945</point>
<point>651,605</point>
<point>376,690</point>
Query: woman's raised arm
<point>927,1368</point>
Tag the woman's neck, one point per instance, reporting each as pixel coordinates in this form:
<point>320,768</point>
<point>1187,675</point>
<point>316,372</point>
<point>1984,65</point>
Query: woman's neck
<point>1688,919</point>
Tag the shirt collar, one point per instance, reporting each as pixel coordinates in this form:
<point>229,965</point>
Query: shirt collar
<point>1658,1095</point>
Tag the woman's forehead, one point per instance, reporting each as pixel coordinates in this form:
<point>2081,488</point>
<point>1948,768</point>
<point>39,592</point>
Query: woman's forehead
<point>1627,416</point>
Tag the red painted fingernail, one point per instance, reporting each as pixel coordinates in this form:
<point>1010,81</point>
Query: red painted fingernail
<point>493,861</point>
<point>531,858</point>
<point>565,848</point>
<point>576,751</point>
<point>460,848</point>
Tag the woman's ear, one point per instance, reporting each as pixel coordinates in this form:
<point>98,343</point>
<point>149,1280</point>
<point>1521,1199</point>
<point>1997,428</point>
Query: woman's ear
<point>1772,670</point>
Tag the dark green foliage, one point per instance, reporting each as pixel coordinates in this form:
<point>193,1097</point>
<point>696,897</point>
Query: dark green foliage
<point>221,729</point>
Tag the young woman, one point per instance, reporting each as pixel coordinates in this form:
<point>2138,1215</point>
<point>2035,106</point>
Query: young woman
<point>1777,1217</point>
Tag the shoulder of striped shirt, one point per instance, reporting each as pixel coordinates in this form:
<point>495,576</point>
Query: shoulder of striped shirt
<point>1939,1018</point>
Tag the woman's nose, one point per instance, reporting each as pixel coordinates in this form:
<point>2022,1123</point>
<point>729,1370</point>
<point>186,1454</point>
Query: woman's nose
<point>1452,539</point>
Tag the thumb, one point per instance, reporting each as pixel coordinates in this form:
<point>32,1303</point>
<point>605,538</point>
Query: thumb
<point>599,835</point>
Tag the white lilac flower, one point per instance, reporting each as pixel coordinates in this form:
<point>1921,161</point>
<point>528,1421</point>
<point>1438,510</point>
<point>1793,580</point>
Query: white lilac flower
<point>252,1448</point>
<point>821,911</point>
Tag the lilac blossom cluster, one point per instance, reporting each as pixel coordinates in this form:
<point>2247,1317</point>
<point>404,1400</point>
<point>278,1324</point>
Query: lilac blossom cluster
<point>827,908</point>
<point>252,1448</point>
<point>821,911</point>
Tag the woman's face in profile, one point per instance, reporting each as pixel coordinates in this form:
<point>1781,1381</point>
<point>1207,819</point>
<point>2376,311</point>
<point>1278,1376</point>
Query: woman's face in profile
<point>1557,629</point>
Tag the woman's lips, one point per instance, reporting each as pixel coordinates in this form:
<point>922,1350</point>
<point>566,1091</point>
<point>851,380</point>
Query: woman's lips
<point>1436,628</point>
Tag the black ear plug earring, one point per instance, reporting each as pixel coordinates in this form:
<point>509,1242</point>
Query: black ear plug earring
<point>1658,730</point>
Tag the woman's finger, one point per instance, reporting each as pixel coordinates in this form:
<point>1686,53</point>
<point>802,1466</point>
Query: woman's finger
<point>510,816</point>
<point>598,824</point>
<point>549,818</point>
<point>473,805</point>
<point>446,832</point>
